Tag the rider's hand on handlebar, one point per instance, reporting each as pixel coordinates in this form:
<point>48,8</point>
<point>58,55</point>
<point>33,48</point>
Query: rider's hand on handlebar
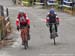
<point>18,28</point>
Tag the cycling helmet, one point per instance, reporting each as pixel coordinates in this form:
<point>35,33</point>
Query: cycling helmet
<point>52,12</point>
<point>21,11</point>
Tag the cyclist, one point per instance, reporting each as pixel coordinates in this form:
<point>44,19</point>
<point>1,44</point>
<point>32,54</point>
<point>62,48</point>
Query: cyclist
<point>52,18</point>
<point>23,21</point>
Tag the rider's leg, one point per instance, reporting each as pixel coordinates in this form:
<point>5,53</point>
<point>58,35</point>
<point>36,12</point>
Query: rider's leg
<point>21,26</point>
<point>22,37</point>
<point>56,29</point>
<point>50,28</point>
<point>28,32</point>
<point>50,31</point>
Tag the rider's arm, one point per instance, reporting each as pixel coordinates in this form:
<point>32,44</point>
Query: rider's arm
<point>18,16</point>
<point>48,14</point>
<point>57,19</point>
<point>28,20</point>
<point>17,24</point>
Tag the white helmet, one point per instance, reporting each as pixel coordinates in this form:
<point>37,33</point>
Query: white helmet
<point>21,11</point>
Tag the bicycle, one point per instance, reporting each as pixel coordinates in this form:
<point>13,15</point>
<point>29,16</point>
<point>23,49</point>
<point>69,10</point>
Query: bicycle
<point>24,36</point>
<point>54,35</point>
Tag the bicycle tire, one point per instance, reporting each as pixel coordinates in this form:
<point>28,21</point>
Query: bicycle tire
<point>25,44</point>
<point>54,41</point>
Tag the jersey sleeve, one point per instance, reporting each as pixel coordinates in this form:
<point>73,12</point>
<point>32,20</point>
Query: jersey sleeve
<point>17,22</point>
<point>26,16</point>
<point>28,20</point>
<point>18,16</point>
<point>57,18</point>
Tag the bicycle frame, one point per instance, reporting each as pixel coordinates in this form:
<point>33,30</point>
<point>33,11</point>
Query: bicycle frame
<point>24,33</point>
<point>53,31</point>
<point>24,36</point>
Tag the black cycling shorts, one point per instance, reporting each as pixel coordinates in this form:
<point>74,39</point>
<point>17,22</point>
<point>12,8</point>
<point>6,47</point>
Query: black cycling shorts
<point>22,26</point>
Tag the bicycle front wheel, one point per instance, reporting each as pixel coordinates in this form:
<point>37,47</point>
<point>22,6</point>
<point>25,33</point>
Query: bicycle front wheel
<point>54,41</point>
